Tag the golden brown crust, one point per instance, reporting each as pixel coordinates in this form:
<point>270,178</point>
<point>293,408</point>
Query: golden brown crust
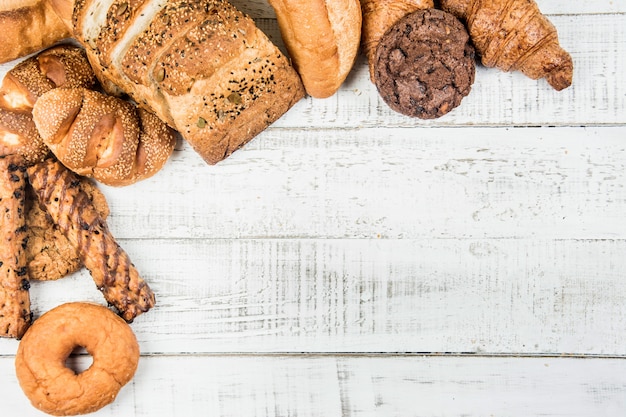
<point>19,135</point>
<point>62,66</point>
<point>102,136</point>
<point>15,314</point>
<point>40,361</point>
<point>322,37</point>
<point>49,253</point>
<point>184,51</point>
<point>156,144</point>
<point>515,35</point>
<point>378,17</point>
<point>33,26</point>
<point>110,266</point>
<point>219,123</point>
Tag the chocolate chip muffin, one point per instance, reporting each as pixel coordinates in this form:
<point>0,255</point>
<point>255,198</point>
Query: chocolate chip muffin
<point>425,64</point>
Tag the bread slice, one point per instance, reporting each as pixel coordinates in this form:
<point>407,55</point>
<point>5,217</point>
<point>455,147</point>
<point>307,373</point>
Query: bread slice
<point>203,67</point>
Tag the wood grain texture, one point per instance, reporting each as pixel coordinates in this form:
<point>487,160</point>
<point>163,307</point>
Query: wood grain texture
<point>308,273</point>
<point>345,386</point>
<point>366,295</point>
<point>560,183</point>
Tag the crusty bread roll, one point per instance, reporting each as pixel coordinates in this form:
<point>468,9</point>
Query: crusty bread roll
<point>101,136</point>
<point>60,66</point>
<point>32,24</point>
<point>201,66</point>
<point>322,37</point>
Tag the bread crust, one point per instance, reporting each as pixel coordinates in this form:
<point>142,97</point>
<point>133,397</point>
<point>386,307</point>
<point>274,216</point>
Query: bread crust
<point>33,26</point>
<point>322,38</point>
<point>203,67</point>
<point>101,136</point>
<point>59,66</point>
<point>15,313</point>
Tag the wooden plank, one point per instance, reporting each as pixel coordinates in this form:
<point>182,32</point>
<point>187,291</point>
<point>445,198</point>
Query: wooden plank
<point>330,295</point>
<point>566,183</point>
<point>346,386</point>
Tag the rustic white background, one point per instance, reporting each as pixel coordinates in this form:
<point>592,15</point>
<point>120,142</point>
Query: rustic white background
<point>351,261</point>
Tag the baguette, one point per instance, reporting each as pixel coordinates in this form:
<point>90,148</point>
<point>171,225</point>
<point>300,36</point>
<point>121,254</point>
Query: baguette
<point>203,67</point>
<point>322,38</point>
<point>32,24</point>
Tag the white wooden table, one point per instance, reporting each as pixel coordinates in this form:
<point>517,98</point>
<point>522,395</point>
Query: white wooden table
<point>350,261</point>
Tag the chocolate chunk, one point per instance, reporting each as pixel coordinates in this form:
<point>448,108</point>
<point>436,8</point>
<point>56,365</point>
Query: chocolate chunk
<point>424,64</point>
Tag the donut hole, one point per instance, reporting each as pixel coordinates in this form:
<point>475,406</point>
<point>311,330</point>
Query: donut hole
<point>79,360</point>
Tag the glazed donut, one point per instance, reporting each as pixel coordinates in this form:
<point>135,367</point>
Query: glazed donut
<point>56,389</point>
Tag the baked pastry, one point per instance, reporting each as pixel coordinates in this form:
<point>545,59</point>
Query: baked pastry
<point>40,366</point>
<point>202,66</point>
<point>60,66</point>
<point>15,313</point>
<point>101,136</point>
<point>110,266</point>
<point>424,64</point>
<point>32,24</point>
<point>322,38</point>
<point>513,35</point>
<point>49,253</point>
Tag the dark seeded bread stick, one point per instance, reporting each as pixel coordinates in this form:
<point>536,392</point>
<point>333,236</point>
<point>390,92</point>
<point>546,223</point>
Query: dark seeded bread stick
<point>15,314</point>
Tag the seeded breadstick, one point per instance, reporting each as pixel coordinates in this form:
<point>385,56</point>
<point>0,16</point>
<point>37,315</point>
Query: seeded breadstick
<point>71,209</point>
<point>15,314</point>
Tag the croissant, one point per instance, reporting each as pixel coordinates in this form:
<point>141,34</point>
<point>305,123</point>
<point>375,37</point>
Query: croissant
<point>201,66</point>
<point>56,67</point>
<point>101,136</point>
<point>378,17</point>
<point>515,35</point>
